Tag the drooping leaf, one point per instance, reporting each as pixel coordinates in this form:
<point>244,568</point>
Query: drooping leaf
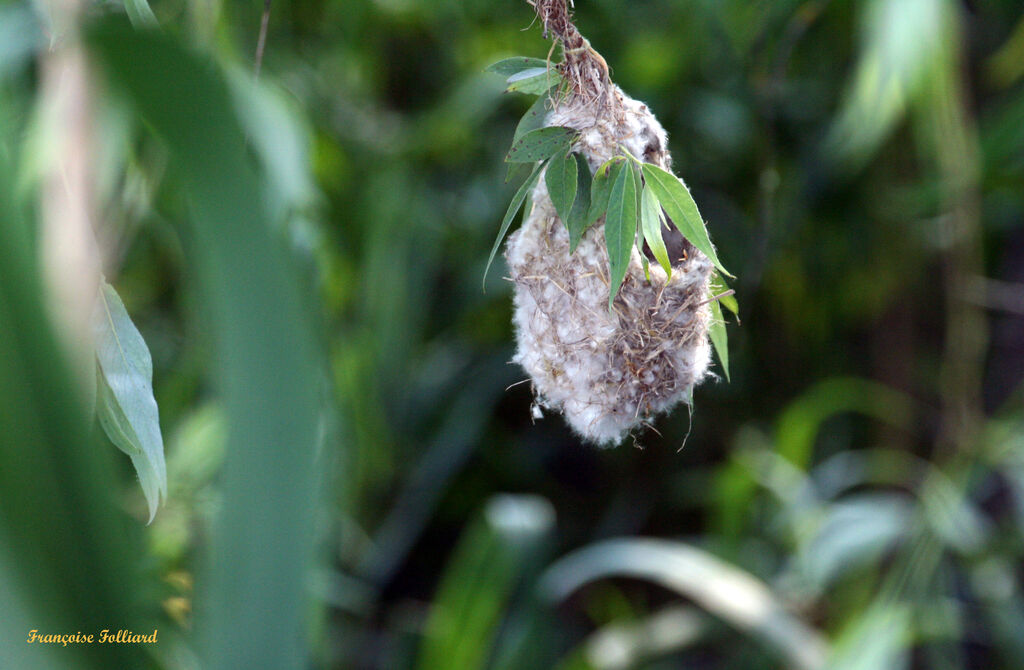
<point>602,187</point>
<point>675,198</point>
<point>719,337</point>
<point>266,354</point>
<point>67,553</point>
<point>540,144</point>
<point>638,236</point>
<point>643,257</point>
<point>533,81</point>
<point>577,223</point>
<point>698,575</point>
<point>620,227</point>
<point>510,66</point>
<point>513,207</point>
<point>534,116</point>
<point>651,222</point>
<point>718,287</point>
<point>560,179</point>
<point>125,404</point>
<point>140,14</point>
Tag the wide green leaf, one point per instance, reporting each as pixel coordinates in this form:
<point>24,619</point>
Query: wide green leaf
<point>510,66</point>
<point>561,181</point>
<point>540,144</point>
<point>533,81</point>
<point>620,227</point>
<point>602,187</point>
<point>577,223</point>
<point>513,207</point>
<point>719,337</point>
<point>650,225</point>
<point>675,198</point>
<point>125,405</point>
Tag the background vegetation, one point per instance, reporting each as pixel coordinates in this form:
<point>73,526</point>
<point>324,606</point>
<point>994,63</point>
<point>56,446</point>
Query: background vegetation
<point>354,477</point>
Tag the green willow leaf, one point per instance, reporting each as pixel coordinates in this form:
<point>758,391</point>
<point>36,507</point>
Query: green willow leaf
<point>540,144</point>
<point>675,198</point>
<point>510,66</point>
<point>650,225</point>
<point>533,81</point>
<point>513,207</point>
<point>719,337</point>
<point>577,223</point>
<point>601,188</point>
<point>560,179</point>
<point>620,228</point>
<point>125,404</point>
<point>534,116</point>
<point>265,351</point>
<point>718,287</point>
<point>643,257</point>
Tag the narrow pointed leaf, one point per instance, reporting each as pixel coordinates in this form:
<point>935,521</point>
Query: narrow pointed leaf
<point>718,287</point>
<point>560,179</point>
<point>534,116</point>
<point>650,226</point>
<point>533,81</point>
<point>510,66</point>
<point>620,228</point>
<point>513,207</point>
<point>601,188</point>
<point>675,198</point>
<point>577,223</point>
<point>125,404</point>
<point>719,337</point>
<point>540,144</point>
<point>643,258</point>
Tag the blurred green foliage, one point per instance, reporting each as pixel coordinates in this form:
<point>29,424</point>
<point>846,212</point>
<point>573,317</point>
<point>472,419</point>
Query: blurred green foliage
<point>355,480</point>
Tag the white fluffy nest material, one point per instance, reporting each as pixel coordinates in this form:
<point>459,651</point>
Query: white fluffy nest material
<point>607,372</point>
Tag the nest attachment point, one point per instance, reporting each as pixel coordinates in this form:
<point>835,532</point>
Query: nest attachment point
<point>607,371</point>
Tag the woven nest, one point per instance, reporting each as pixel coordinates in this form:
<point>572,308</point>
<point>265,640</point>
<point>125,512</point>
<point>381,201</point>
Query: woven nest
<point>608,372</point>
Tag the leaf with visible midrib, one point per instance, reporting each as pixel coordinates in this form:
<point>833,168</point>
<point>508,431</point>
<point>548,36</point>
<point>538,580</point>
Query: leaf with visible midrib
<point>620,227</point>
<point>650,226</point>
<point>675,198</point>
<point>560,178</point>
<point>577,222</point>
<point>540,144</point>
<point>601,187</point>
<point>125,405</point>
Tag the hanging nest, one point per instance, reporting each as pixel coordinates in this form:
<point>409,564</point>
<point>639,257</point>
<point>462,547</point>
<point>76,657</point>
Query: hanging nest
<point>607,371</point>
